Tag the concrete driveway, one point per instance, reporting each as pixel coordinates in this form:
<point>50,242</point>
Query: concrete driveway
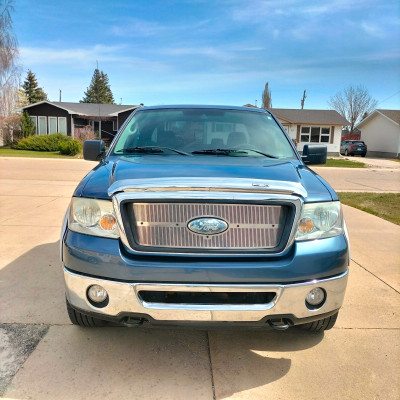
<point>43,356</point>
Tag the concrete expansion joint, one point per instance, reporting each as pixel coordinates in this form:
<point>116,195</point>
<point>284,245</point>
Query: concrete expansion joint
<point>27,324</point>
<point>376,276</point>
<point>210,365</point>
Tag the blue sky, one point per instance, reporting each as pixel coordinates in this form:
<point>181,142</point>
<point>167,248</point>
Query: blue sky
<point>213,52</point>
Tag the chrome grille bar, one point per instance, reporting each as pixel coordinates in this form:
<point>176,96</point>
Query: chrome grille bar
<point>164,225</point>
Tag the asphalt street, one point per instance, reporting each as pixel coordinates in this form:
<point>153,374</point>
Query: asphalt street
<point>43,356</point>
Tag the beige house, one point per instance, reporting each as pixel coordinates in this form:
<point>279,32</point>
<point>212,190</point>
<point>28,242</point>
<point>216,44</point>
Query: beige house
<point>381,133</point>
<point>313,126</point>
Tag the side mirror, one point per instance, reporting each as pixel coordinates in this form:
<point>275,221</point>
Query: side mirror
<point>314,154</point>
<point>93,150</point>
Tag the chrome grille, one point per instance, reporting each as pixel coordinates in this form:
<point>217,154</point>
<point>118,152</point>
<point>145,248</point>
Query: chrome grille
<point>164,225</point>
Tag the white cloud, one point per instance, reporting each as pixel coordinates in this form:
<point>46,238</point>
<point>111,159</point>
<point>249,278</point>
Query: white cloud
<point>372,29</point>
<point>263,10</point>
<point>42,55</point>
<point>135,27</point>
<point>81,58</point>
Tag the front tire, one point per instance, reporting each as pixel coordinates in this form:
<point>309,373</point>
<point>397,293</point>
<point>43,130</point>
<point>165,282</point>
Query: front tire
<point>321,325</point>
<point>80,319</point>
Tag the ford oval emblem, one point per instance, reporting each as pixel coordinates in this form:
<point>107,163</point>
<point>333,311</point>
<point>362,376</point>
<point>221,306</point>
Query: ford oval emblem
<point>207,226</point>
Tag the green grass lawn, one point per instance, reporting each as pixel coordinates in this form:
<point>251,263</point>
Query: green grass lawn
<point>5,152</point>
<point>383,205</point>
<point>341,163</point>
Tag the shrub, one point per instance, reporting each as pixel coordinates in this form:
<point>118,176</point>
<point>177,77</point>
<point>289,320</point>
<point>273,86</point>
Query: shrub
<point>70,148</point>
<point>85,132</point>
<point>42,142</point>
<point>27,125</point>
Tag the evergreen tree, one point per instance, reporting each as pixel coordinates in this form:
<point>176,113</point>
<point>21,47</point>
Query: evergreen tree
<point>32,90</point>
<point>27,125</point>
<point>99,90</point>
<point>266,98</point>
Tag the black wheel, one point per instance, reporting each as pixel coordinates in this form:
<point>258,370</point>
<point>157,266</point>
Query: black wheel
<point>321,325</point>
<point>363,155</point>
<point>80,319</point>
<point>346,152</point>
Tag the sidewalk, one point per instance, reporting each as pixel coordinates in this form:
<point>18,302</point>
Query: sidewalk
<point>372,162</point>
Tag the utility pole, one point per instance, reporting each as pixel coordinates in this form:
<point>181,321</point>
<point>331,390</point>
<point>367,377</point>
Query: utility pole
<point>303,99</point>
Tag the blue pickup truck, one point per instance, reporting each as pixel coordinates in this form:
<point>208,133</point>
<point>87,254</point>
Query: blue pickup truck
<point>204,216</point>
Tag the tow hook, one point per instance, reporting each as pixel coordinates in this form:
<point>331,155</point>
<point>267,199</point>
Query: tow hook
<point>278,324</point>
<point>132,322</point>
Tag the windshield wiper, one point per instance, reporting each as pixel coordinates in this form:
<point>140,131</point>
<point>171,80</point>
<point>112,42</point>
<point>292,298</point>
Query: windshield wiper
<point>150,150</point>
<point>260,152</point>
<point>230,151</point>
<point>219,151</point>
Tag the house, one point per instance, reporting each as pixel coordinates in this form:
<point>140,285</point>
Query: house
<point>70,118</point>
<point>381,133</point>
<point>312,126</point>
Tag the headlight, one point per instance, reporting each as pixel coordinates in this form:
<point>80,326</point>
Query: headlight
<point>93,217</point>
<point>320,220</point>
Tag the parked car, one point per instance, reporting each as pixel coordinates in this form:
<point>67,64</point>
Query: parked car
<point>204,216</point>
<point>353,147</point>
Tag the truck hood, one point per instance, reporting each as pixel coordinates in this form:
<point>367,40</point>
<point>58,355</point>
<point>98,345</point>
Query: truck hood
<point>141,172</point>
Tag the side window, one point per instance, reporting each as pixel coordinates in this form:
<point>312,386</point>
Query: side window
<point>62,125</point>
<point>305,134</point>
<point>42,125</point>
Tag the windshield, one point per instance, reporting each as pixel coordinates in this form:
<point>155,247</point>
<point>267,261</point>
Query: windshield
<point>197,131</point>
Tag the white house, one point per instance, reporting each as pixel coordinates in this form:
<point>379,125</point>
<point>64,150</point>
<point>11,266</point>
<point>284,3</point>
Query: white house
<point>313,126</point>
<point>381,133</point>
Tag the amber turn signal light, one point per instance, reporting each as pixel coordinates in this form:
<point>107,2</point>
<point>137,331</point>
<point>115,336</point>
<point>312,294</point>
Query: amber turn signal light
<point>107,222</point>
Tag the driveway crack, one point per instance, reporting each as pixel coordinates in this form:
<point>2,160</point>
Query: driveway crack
<point>210,365</point>
<point>376,276</point>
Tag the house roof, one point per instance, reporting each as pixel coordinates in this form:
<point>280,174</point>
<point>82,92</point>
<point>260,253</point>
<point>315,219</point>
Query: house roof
<point>88,109</point>
<point>324,117</point>
<point>250,105</point>
<point>393,115</point>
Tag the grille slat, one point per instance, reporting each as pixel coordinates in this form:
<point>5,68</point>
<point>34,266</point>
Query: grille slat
<point>164,225</point>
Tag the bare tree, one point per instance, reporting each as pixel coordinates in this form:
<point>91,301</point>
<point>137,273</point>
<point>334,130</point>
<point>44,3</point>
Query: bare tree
<point>266,98</point>
<point>9,70</point>
<point>353,103</point>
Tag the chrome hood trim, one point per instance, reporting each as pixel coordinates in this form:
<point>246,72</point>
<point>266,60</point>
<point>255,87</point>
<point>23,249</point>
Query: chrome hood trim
<point>210,184</point>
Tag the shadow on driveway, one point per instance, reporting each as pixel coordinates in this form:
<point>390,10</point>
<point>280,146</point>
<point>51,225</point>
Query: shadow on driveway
<point>74,362</point>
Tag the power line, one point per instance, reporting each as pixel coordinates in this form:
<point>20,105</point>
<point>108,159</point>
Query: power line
<point>382,101</point>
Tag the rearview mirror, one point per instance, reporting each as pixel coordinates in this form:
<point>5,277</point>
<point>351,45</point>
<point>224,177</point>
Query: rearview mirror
<point>93,150</point>
<point>314,154</point>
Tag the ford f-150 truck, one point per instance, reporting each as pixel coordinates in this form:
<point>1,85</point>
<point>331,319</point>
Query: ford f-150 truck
<point>204,216</point>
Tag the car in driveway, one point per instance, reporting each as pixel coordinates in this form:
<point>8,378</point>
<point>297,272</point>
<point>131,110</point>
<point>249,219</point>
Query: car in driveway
<point>204,216</point>
<point>353,148</point>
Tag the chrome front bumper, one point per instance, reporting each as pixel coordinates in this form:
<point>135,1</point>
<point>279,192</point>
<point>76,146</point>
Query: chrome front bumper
<point>124,300</point>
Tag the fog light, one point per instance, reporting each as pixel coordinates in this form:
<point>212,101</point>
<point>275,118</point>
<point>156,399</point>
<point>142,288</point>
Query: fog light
<point>97,293</point>
<point>315,297</point>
